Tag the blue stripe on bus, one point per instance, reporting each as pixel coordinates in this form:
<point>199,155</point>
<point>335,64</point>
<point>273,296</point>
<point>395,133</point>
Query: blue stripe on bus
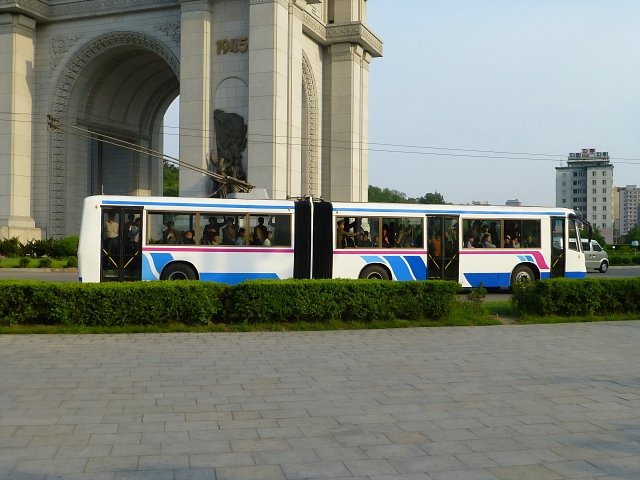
<point>399,267</point>
<point>194,204</point>
<point>160,260</point>
<point>418,267</point>
<point>235,278</point>
<point>147,272</point>
<point>545,275</point>
<point>343,210</point>
<point>488,279</point>
<point>575,275</point>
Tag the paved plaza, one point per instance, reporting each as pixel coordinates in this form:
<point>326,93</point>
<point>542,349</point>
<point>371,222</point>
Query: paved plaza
<point>540,402</point>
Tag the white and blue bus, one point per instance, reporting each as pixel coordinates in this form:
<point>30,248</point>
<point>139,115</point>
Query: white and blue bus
<point>232,240</point>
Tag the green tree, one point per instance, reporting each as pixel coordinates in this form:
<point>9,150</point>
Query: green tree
<point>633,234</point>
<point>385,195</point>
<point>170,180</point>
<point>432,198</point>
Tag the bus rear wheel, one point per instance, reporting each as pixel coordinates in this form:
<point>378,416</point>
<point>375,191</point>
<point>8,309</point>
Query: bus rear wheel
<point>178,271</point>
<point>522,273</point>
<point>375,272</point>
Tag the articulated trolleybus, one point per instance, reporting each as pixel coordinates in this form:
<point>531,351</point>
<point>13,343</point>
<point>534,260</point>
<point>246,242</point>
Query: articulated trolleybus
<point>232,240</point>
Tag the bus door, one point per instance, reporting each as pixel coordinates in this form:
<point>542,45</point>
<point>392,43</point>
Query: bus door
<point>558,247</point>
<point>122,233</point>
<point>443,261</point>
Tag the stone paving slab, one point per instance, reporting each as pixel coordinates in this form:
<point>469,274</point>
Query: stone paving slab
<point>518,402</point>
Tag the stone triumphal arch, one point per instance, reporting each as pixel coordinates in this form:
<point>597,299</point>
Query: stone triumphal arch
<point>273,91</point>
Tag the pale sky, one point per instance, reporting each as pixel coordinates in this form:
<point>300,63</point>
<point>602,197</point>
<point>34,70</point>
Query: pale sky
<point>530,76</point>
<point>463,78</point>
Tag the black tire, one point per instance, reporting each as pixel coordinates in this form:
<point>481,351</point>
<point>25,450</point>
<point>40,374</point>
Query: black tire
<point>522,273</point>
<point>604,266</point>
<point>375,272</point>
<point>178,271</point>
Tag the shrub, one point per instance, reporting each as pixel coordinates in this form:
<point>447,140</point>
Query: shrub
<point>110,304</point>
<point>281,301</point>
<point>626,260</point>
<point>72,262</point>
<point>45,262</point>
<point>615,260</point>
<point>566,297</point>
<point>24,262</point>
<point>10,247</point>
<point>635,260</point>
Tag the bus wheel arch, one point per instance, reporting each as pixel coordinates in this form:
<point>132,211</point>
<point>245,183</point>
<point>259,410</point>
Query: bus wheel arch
<point>179,271</point>
<point>524,272</point>
<point>375,271</point>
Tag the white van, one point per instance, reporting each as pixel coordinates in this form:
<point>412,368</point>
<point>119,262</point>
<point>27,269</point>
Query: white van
<point>595,257</point>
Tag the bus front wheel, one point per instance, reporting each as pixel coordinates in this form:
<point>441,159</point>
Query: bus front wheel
<point>522,273</point>
<point>375,272</point>
<point>178,271</point>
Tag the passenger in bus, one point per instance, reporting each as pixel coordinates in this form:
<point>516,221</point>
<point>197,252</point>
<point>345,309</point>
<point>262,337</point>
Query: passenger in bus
<point>210,230</point>
<point>486,241</point>
<point>469,243</point>
<point>516,242</point>
<point>363,240</point>
<point>493,231</point>
<point>508,243</point>
<point>242,237</point>
<point>111,230</point>
<point>435,246</point>
<point>229,232</point>
<point>386,242</point>
<point>187,238</point>
<point>259,232</point>
<point>344,238</point>
<point>268,240</point>
<point>169,235</point>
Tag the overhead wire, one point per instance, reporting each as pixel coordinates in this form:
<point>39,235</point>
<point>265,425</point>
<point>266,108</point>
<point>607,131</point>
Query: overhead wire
<point>396,148</point>
<point>55,124</point>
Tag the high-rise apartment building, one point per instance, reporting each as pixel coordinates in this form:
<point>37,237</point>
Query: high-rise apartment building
<point>586,185</point>
<point>629,200</point>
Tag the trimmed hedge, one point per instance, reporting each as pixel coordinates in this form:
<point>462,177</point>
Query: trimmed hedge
<point>345,300</point>
<point>109,304</point>
<point>202,303</point>
<point>589,296</point>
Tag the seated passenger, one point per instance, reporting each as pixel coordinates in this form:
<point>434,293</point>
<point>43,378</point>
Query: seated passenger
<point>516,242</point>
<point>486,241</point>
<point>508,243</point>
<point>242,237</point>
<point>267,241</point>
<point>187,238</point>
<point>469,242</point>
<point>169,235</point>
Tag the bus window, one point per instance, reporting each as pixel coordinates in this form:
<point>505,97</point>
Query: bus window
<point>530,233</point>
<point>172,228</point>
<point>270,230</point>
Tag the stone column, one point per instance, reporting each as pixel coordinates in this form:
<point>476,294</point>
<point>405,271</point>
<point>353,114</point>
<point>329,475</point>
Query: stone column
<point>17,57</point>
<point>269,85</point>
<point>196,107</point>
<point>348,155</point>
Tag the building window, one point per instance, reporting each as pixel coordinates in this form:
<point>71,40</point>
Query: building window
<point>594,182</point>
<point>604,208</point>
<point>593,174</point>
<point>604,182</point>
<point>604,199</point>
<point>594,208</point>
<point>564,200</point>
<point>575,174</point>
<point>604,190</point>
<point>564,184</point>
<point>604,216</point>
<point>595,190</point>
<point>604,174</point>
